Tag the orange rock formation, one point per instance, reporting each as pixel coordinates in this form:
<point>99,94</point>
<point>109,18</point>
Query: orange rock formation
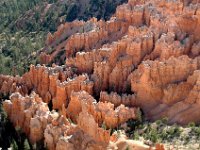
<point>33,116</point>
<point>146,55</point>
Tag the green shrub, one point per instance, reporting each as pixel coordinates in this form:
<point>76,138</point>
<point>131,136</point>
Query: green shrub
<point>191,124</point>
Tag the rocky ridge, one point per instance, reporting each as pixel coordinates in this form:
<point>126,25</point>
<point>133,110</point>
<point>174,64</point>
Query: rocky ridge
<point>146,56</point>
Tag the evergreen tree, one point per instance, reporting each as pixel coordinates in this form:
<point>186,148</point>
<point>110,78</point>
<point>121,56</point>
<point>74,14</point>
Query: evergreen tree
<point>26,145</point>
<point>14,145</point>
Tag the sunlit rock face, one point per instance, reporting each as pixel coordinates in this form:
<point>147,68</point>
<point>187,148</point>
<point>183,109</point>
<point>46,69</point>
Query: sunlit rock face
<point>33,116</point>
<point>146,56</point>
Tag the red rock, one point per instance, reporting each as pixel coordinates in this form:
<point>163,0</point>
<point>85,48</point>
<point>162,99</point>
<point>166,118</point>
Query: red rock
<point>152,76</point>
<point>117,100</point>
<point>29,114</point>
<point>145,56</point>
<point>102,112</point>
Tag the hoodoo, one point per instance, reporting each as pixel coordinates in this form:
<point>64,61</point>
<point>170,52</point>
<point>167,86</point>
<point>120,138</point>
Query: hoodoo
<point>146,56</point>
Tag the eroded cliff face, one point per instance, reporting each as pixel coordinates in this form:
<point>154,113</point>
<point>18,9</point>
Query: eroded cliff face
<point>146,56</point>
<point>148,67</point>
<point>33,116</point>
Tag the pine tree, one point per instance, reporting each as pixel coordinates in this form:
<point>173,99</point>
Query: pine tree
<point>14,145</point>
<point>26,145</point>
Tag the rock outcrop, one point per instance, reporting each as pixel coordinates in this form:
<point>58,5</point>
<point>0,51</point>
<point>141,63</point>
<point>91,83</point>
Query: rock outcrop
<point>52,84</point>
<point>146,56</point>
<point>57,41</point>
<point>103,112</point>
<point>117,100</point>
<point>152,77</point>
<point>33,116</point>
<point>28,113</point>
<point>152,60</point>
